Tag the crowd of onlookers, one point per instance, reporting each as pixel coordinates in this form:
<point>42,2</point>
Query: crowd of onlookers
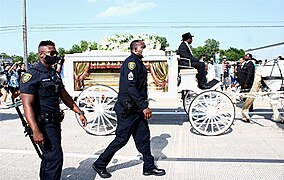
<point>235,75</point>
<point>9,84</point>
<point>245,76</point>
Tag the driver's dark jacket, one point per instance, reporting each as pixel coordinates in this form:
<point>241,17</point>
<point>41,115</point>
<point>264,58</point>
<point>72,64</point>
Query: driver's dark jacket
<point>45,85</point>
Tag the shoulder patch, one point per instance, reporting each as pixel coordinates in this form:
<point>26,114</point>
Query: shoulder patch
<point>26,77</point>
<point>131,65</point>
<point>130,76</point>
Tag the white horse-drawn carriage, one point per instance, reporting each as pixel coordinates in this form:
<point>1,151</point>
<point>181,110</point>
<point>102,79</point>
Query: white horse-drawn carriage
<point>210,112</point>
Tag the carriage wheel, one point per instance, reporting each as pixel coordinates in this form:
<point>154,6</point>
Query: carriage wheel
<point>187,99</point>
<point>98,104</point>
<point>211,113</point>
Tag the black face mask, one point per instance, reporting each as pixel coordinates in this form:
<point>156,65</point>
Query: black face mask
<point>50,60</point>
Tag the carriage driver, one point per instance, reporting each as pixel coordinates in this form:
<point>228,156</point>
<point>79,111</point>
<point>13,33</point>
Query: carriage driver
<point>185,51</point>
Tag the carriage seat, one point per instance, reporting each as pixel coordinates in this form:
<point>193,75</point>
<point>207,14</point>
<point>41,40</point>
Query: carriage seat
<point>187,79</point>
<point>184,63</point>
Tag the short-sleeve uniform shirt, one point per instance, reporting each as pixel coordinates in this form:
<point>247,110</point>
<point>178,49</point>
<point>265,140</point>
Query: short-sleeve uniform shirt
<point>45,85</point>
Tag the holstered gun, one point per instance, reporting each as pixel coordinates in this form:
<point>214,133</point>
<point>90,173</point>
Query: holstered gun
<point>129,108</point>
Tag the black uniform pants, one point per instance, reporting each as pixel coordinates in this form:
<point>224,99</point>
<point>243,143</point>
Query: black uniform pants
<point>136,126</point>
<point>201,76</point>
<point>51,165</point>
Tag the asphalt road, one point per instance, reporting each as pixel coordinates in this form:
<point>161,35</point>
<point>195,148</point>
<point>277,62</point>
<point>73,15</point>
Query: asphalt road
<point>247,151</point>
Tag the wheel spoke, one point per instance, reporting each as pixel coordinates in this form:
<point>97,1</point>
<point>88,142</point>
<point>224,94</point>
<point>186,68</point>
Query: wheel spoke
<point>214,120</point>
<point>98,101</point>
<point>94,121</point>
<point>207,124</point>
<point>219,119</point>
<point>203,107</point>
<point>211,112</point>
<point>103,118</point>
<point>111,100</point>
<point>106,117</point>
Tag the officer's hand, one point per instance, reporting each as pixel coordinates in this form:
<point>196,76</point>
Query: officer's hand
<point>83,120</point>
<point>245,85</point>
<point>38,137</point>
<point>147,113</point>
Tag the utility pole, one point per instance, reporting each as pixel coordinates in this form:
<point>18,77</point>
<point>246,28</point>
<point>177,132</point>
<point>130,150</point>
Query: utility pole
<point>25,59</point>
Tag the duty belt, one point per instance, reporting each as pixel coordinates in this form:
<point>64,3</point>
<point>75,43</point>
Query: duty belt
<point>51,117</point>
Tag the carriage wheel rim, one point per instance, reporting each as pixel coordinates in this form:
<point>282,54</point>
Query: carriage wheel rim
<point>98,104</point>
<point>211,113</point>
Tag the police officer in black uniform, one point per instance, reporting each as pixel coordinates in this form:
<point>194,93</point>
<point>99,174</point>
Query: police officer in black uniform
<point>132,114</point>
<point>41,88</point>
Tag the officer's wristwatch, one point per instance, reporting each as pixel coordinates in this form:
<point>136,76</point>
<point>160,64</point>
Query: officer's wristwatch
<point>81,113</point>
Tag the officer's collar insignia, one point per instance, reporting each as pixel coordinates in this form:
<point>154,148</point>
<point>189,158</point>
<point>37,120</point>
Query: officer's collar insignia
<point>26,77</point>
<point>131,65</point>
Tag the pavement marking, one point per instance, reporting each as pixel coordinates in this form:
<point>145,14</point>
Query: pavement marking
<point>138,157</point>
<point>76,155</point>
<point>184,113</point>
<point>228,160</point>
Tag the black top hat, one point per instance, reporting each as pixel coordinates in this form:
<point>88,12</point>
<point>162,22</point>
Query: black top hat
<point>186,36</point>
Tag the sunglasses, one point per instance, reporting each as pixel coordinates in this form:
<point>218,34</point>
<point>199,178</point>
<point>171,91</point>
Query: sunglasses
<point>52,53</point>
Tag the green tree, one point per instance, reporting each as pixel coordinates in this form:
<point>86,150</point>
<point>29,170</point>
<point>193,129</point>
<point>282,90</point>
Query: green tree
<point>93,46</point>
<point>211,46</point>
<point>75,49</point>
<point>4,55</point>
<point>78,48</point>
<point>163,41</point>
<point>32,57</point>
<point>84,45</point>
<point>199,51</point>
<point>17,58</point>
<point>233,54</point>
<point>61,51</point>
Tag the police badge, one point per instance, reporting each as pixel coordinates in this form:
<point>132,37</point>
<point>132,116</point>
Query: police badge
<point>131,65</point>
<point>26,77</point>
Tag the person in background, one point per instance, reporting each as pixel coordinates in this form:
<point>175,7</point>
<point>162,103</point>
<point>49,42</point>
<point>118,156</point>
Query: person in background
<point>202,58</point>
<point>246,77</point>
<point>5,86</point>
<point>210,70</point>
<point>238,68</point>
<point>14,86</point>
<point>21,70</point>
<point>226,67</point>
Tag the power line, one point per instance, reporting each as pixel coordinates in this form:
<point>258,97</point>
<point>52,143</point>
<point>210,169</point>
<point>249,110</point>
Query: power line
<point>33,28</point>
<point>156,22</point>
